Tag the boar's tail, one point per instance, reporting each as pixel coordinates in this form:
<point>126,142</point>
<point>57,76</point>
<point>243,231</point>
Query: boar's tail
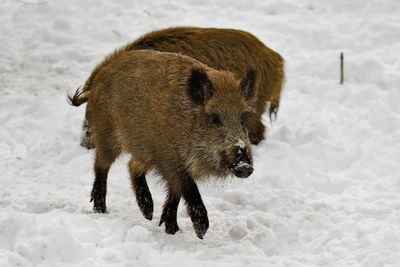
<point>82,94</point>
<point>79,97</point>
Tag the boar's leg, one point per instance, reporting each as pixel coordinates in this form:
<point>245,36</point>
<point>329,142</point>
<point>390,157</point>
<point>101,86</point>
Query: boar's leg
<point>170,210</point>
<point>99,190</point>
<point>86,133</point>
<point>142,192</point>
<point>273,110</point>
<point>195,207</point>
<point>104,158</point>
<point>143,195</point>
<point>255,127</point>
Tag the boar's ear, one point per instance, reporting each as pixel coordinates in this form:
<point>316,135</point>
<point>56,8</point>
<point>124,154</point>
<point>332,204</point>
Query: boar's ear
<point>200,88</point>
<point>248,84</point>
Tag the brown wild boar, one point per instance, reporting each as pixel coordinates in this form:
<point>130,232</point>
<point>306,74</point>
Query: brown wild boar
<point>221,49</point>
<point>172,114</point>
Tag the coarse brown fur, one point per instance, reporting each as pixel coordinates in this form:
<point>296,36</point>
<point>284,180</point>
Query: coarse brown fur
<point>173,114</point>
<point>221,49</point>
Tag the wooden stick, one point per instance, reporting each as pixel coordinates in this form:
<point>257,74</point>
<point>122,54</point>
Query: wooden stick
<point>341,68</point>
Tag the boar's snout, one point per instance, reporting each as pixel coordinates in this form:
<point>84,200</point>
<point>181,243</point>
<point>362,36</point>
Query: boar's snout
<point>241,166</point>
<point>243,171</point>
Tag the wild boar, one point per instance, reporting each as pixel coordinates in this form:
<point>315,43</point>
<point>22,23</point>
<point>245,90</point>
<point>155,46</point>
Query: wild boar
<point>221,49</point>
<point>174,115</point>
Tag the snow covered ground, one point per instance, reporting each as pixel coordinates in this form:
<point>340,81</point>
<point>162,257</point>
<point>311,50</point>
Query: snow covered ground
<point>326,186</point>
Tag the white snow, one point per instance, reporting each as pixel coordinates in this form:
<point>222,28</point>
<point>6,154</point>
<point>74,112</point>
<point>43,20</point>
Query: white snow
<point>326,185</point>
<point>240,143</point>
<point>242,164</point>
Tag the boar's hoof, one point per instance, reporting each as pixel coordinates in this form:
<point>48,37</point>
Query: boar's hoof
<point>254,140</point>
<point>198,214</point>
<point>86,143</point>
<point>147,213</point>
<point>99,202</point>
<point>256,133</point>
<point>169,218</point>
<point>171,227</point>
<point>101,209</point>
<point>86,140</point>
<point>147,209</point>
<point>243,171</point>
<point>145,202</point>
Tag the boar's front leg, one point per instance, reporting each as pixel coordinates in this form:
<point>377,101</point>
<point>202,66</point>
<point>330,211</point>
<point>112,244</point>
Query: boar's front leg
<point>170,210</point>
<point>142,192</point>
<point>255,127</point>
<point>195,207</point>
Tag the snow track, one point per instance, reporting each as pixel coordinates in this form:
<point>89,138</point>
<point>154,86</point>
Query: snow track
<point>326,185</point>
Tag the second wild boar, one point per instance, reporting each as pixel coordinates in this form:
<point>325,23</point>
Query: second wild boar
<point>174,115</point>
<point>221,49</point>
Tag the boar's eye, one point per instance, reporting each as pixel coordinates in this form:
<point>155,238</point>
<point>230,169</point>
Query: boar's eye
<point>215,119</point>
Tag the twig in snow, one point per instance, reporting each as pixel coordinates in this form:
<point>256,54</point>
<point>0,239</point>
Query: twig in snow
<point>341,68</point>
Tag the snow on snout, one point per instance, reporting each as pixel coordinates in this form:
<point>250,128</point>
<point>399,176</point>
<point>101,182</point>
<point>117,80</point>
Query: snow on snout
<point>240,143</point>
<point>242,164</point>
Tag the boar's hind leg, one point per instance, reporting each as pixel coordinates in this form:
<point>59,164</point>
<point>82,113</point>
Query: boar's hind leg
<point>256,128</point>
<point>195,207</point>
<point>142,192</point>
<point>86,133</point>
<point>104,158</point>
<point>170,210</point>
